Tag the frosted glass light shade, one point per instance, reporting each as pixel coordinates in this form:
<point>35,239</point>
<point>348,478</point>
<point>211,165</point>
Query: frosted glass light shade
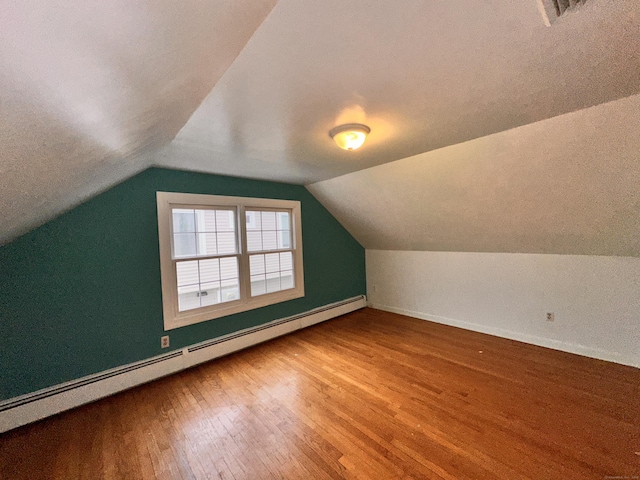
<point>350,136</point>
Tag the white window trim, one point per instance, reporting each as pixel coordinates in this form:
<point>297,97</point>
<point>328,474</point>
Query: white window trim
<point>173,318</point>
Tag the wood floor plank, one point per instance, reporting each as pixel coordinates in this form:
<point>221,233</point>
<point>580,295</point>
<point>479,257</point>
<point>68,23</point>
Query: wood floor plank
<point>370,395</point>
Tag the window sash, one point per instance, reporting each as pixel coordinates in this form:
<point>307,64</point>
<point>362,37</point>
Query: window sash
<point>205,283</point>
<point>257,232</point>
<point>197,233</point>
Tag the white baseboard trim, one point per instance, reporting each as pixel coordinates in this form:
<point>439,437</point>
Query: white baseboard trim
<point>521,337</point>
<point>31,407</point>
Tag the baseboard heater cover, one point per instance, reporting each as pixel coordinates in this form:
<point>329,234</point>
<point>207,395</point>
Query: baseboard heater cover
<point>34,406</point>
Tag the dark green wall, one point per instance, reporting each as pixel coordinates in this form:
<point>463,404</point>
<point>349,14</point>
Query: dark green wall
<point>82,293</point>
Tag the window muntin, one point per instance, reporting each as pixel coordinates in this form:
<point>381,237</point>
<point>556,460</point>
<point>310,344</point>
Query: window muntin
<point>209,233</point>
<point>201,283</point>
<point>203,232</point>
<point>271,272</point>
<point>270,231</point>
<point>214,265</point>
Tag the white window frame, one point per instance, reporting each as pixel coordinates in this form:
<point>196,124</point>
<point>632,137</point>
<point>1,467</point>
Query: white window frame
<point>167,201</point>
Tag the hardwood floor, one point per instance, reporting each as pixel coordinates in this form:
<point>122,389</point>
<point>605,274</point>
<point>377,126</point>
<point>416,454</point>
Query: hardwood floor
<point>369,395</point>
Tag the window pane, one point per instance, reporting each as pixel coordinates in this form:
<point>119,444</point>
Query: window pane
<point>230,290</point>
<point>228,268</point>
<point>286,279</point>
<point>209,270</point>
<point>226,243</point>
<point>224,221</point>
<point>279,272</point>
<point>273,282</point>
<point>272,262</point>
<point>286,261</point>
<point>188,298</point>
<point>207,244</point>
<point>187,273</point>
<point>258,285</point>
<point>210,293</point>
<point>184,245</point>
<point>200,283</point>
<point>254,220</point>
<point>269,241</point>
<point>268,231</point>
<point>284,239</point>
<point>268,220</point>
<point>256,264</point>
<point>284,221</point>
<point>206,220</point>
<point>254,241</point>
<point>183,220</point>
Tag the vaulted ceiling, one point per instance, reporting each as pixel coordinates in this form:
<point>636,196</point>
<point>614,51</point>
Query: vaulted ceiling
<point>566,185</point>
<point>93,92</point>
<point>89,89</point>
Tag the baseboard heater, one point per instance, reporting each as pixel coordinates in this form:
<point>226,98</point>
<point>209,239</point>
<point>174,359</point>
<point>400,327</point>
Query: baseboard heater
<point>28,408</point>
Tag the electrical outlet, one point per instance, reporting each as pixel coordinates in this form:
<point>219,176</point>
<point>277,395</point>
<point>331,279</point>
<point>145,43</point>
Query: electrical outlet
<point>375,288</point>
<point>164,341</point>
<point>551,317</point>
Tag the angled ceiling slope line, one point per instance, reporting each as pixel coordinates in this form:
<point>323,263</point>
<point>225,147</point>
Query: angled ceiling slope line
<point>424,76</point>
<point>566,185</point>
<point>93,92</point>
<point>89,88</point>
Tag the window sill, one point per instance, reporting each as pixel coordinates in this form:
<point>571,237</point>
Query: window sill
<point>222,310</point>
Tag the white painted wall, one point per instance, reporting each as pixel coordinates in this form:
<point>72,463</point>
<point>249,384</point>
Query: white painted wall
<point>596,299</point>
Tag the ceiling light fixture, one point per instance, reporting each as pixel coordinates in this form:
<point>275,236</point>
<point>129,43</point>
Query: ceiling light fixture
<point>350,136</point>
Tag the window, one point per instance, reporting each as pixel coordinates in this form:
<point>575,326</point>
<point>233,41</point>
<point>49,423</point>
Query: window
<point>224,255</point>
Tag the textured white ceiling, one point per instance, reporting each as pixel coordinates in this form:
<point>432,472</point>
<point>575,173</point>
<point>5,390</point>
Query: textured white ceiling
<point>567,185</point>
<point>88,88</point>
<point>93,92</point>
<point>423,74</point>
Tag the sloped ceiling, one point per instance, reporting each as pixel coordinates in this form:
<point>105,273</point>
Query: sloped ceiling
<point>93,92</point>
<point>88,88</point>
<point>423,74</point>
<point>568,185</point>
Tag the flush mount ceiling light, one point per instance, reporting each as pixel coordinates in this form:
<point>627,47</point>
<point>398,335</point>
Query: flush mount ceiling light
<point>350,136</point>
